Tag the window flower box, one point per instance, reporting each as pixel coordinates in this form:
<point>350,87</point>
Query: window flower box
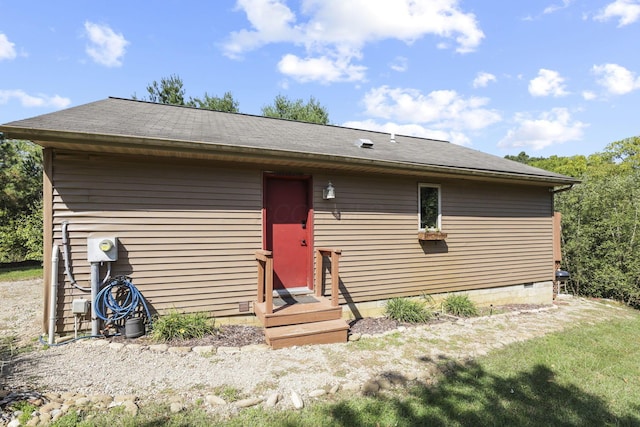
<point>431,235</point>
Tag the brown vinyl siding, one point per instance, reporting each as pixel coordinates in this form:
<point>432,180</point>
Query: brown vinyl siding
<point>187,231</point>
<point>498,235</point>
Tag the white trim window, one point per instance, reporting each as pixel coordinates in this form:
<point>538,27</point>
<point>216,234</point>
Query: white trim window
<point>429,215</point>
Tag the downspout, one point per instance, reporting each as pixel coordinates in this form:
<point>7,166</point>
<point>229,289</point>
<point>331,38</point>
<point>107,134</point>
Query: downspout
<point>95,288</point>
<point>53,296</point>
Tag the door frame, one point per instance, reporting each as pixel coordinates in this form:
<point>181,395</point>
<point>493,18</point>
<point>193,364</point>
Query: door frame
<point>308,179</point>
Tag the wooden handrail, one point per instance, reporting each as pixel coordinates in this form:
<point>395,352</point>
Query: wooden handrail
<point>265,279</point>
<point>334,256</point>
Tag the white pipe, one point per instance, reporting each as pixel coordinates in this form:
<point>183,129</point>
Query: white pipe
<point>95,288</point>
<point>53,297</point>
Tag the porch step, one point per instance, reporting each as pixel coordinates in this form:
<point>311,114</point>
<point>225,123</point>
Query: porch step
<point>294,314</point>
<point>323,332</point>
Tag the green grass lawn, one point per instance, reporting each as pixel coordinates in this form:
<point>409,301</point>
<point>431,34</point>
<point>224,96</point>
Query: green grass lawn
<point>585,376</point>
<point>20,273</point>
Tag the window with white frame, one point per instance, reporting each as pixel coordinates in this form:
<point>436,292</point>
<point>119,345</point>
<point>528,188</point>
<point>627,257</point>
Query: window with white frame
<point>429,206</point>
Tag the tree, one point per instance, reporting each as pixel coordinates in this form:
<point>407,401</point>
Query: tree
<point>226,103</point>
<point>20,201</point>
<point>171,90</point>
<point>601,220</point>
<point>311,111</point>
<point>574,166</point>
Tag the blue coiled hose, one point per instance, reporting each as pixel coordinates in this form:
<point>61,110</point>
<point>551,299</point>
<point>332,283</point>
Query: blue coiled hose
<point>121,298</point>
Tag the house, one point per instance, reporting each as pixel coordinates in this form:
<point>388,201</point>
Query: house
<point>198,201</point>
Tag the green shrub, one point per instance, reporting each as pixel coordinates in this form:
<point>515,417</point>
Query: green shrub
<point>407,310</point>
<point>176,325</point>
<point>459,305</point>
<point>27,410</point>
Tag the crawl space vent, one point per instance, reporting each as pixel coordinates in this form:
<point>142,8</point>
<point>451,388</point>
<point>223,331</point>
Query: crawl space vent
<point>364,143</point>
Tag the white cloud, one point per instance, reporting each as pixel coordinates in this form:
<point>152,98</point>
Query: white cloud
<point>322,69</point>
<point>441,108</point>
<point>106,47</point>
<point>483,79</point>
<point>27,100</point>
<point>7,49</point>
<point>548,83</point>
<point>616,79</point>
<point>410,130</point>
<point>588,95</point>
<point>626,11</point>
<point>339,29</point>
<point>442,114</point>
<point>272,21</point>
<point>550,127</point>
<point>400,64</point>
<point>556,7</point>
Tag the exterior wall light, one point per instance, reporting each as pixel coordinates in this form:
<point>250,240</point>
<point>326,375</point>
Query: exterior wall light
<point>329,192</point>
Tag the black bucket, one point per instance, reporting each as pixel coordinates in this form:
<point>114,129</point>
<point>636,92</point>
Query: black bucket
<point>134,327</point>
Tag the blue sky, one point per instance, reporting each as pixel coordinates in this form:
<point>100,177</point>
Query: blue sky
<point>546,77</point>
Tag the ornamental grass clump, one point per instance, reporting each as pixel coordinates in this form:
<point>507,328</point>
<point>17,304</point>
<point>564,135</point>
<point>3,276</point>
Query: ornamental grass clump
<point>182,326</point>
<point>407,310</point>
<point>459,305</point>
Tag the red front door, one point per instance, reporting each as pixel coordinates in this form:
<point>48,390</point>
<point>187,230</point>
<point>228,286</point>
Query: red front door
<point>287,231</point>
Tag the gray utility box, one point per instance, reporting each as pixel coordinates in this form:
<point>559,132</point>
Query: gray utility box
<point>102,248</point>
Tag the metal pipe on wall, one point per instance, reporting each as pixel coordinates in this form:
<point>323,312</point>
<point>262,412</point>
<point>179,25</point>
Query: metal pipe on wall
<point>95,288</point>
<point>53,296</point>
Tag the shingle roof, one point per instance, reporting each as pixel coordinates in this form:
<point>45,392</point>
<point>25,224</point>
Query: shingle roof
<point>136,119</point>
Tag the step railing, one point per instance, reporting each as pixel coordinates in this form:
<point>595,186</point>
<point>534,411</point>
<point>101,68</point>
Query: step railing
<point>265,276</point>
<point>333,255</point>
<point>265,279</point>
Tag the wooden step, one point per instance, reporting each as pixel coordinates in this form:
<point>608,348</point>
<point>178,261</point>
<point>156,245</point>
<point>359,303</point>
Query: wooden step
<point>324,332</point>
<point>294,314</point>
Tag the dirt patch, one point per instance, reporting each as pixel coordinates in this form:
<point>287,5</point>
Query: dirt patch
<point>227,336</point>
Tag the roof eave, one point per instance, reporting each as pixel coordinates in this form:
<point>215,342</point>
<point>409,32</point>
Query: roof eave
<point>53,138</point>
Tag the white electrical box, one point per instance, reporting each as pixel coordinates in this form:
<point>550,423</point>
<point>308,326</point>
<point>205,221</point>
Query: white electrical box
<point>102,248</point>
<point>80,306</point>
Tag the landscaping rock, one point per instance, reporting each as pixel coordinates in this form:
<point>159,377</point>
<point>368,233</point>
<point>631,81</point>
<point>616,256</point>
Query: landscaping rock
<point>297,401</point>
<point>214,400</point>
<point>177,407</point>
<point>370,387</point>
<point>255,347</point>
<point>116,346</point>
<point>134,347</point>
<point>246,403</point>
<point>45,419</point>
<point>355,337</point>
<point>50,406</point>
<point>317,393</point>
<point>351,387</point>
<point>228,350</point>
<point>272,400</point>
<point>130,407</point>
<point>204,349</point>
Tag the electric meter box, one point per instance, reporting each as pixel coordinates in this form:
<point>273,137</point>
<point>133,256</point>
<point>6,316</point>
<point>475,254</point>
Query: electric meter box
<point>102,248</point>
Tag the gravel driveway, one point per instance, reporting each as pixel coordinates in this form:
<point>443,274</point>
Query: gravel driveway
<point>95,367</point>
